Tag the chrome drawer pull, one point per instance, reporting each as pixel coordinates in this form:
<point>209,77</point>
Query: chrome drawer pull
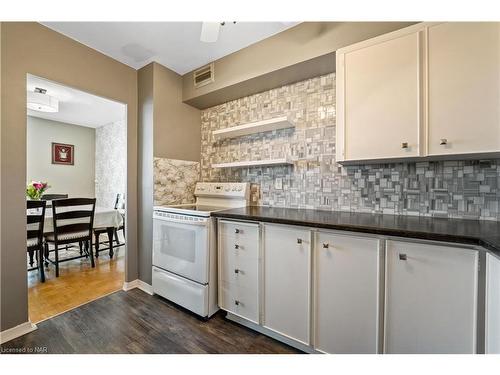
<point>299,240</point>
<point>403,257</point>
<point>404,145</point>
<point>236,271</point>
<point>236,230</point>
<point>236,246</point>
<point>236,302</point>
<point>326,245</point>
<point>443,141</point>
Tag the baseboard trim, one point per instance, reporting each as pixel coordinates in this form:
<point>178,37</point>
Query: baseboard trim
<point>17,331</point>
<point>145,287</point>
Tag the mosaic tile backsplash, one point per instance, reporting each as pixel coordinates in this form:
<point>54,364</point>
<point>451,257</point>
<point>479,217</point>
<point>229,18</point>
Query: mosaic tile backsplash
<point>174,181</point>
<point>458,189</point>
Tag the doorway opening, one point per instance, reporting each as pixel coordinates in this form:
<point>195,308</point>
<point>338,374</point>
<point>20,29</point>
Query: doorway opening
<point>76,162</point>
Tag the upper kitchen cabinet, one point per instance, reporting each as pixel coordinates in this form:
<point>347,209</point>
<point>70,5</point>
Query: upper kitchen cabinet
<point>464,88</point>
<point>378,97</point>
<point>429,90</point>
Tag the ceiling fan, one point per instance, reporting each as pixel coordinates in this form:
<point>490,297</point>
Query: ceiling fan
<point>210,31</point>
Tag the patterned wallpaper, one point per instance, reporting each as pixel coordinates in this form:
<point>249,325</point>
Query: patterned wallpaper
<point>462,189</point>
<point>110,163</point>
<point>174,181</point>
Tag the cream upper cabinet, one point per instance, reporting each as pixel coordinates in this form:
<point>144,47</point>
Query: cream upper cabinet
<point>378,97</point>
<point>432,89</point>
<point>464,88</point>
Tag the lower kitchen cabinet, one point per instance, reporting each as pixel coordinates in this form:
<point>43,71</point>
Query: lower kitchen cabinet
<point>492,304</point>
<point>337,292</point>
<point>287,276</point>
<point>239,269</point>
<point>431,298</point>
<point>347,284</point>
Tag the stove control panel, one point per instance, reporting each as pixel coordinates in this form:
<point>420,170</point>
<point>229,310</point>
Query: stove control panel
<point>222,189</point>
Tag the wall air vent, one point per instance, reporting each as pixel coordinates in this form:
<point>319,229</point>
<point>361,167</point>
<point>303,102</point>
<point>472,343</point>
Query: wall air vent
<point>204,75</point>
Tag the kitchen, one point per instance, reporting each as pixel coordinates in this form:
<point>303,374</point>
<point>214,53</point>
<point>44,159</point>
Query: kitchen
<point>341,203</point>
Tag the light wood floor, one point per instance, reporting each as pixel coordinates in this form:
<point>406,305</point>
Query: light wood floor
<point>77,283</point>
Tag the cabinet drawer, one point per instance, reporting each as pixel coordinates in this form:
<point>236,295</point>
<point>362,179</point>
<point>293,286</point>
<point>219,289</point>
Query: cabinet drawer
<point>242,247</point>
<point>239,232</point>
<point>239,300</point>
<point>239,269</point>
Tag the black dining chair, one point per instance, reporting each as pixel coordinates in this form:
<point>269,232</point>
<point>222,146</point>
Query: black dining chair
<point>35,218</point>
<point>119,205</point>
<point>72,223</point>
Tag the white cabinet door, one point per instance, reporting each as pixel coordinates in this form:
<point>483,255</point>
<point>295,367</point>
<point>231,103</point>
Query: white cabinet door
<point>431,299</point>
<point>378,94</point>
<point>347,294</point>
<point>287,267</point>
<point>492,304</point>
<point>464,87</point>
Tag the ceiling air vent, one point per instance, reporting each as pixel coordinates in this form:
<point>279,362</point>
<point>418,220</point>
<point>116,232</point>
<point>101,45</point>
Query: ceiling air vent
<point>204,76</point>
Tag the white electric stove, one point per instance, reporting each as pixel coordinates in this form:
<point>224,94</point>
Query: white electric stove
<point>184,246</point>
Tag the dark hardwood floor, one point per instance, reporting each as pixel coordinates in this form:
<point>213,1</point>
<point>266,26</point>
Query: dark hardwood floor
<point>135,322</point>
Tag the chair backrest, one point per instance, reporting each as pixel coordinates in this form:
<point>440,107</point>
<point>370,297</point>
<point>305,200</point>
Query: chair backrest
<point>35,218</point>
<point>51,197</point>
<point>69,216</point>
<point>120,201</point>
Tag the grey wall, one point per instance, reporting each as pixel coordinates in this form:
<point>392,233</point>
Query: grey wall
<point>110,162</point>
<point>168,129</point>
<point>237,74</point>
<point>177,132</point>
<point>145,173</point>
<point>75,180</point>
<point>460,189</point>
<point>30,48</point>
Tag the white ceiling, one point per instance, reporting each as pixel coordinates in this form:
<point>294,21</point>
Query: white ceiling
<point>175,45</point>
<point>75,106</point>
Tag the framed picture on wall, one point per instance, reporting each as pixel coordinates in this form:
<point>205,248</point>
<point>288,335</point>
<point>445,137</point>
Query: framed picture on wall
<point>63,154</point>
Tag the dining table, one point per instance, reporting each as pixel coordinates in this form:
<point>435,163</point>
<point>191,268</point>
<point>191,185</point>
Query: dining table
<point>108,218</point>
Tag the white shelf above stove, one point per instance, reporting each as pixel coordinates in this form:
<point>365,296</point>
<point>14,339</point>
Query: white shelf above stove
<point>253,128</point>
<point>253,163</point>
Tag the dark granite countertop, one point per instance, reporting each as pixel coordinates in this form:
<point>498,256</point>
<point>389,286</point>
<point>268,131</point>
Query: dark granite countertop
<point>473,232</point>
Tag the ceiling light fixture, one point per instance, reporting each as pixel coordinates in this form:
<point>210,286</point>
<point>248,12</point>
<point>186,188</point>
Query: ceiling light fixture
<point>210,31</point>
<point>38,100</point>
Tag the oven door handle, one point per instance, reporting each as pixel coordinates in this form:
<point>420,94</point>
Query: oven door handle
<point>186,222</point>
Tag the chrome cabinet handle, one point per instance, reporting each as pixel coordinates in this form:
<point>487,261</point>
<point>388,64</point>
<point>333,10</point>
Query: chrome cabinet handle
<point>326,245</point>
<point>403,257</point>
<point>299,240</point>
<point>236,302</point>
<point>443,141</point>
<point>236,230</point>
<point>404,145</point>
<point>236,246</point>
<point>236,271</point>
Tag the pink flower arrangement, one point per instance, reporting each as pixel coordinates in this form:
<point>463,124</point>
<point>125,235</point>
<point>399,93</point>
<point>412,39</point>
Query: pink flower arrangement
<point>35,189</point>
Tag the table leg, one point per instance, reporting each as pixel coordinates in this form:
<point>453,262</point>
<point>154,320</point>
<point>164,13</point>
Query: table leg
<point>110,231</point>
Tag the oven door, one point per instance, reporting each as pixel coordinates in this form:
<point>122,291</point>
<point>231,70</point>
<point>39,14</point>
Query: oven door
<point>182,248</point>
